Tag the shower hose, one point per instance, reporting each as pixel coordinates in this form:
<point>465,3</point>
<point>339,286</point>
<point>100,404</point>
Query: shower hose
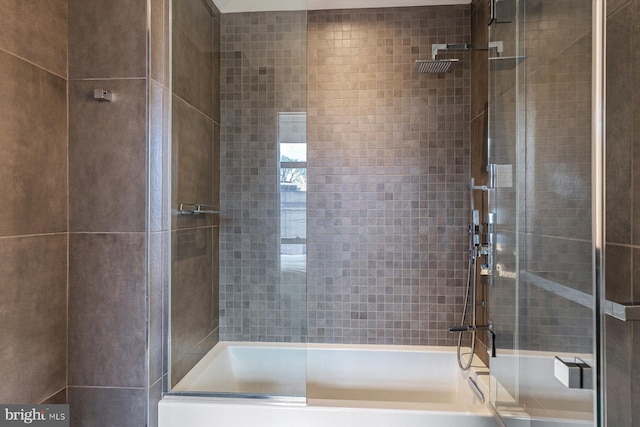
<point>470,292</point>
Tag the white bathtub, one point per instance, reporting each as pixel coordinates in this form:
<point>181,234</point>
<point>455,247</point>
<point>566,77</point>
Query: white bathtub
<point>336,386</point>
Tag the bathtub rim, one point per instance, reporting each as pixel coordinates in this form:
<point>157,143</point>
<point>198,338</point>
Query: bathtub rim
<point>172,399</point>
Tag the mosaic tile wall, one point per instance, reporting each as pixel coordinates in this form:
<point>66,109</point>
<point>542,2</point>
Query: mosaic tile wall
<point>264,72</point>
<point>388,176</point>
<point>388,166</point>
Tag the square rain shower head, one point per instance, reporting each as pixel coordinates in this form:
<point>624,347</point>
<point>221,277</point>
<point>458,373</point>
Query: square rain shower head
<point>432,66</point>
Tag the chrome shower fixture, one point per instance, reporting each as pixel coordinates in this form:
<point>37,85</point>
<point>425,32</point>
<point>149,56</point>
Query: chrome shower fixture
<point>436,65</point>
<point>430,66</point>
<point>435,48</point>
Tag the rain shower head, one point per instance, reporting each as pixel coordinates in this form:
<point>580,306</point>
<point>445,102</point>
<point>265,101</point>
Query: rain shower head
<point>431,66</point>
<point>435,65</point>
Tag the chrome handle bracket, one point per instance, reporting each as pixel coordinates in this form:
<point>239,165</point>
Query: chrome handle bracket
<point>196,209</point>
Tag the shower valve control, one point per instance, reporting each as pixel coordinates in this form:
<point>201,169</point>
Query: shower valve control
<point>477,229</point>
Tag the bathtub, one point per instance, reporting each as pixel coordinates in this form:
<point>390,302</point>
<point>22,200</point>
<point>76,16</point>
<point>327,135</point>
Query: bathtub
<point>327,385</point>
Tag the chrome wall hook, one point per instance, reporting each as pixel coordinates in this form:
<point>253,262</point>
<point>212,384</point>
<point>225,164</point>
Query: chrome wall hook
<point>102,95</point>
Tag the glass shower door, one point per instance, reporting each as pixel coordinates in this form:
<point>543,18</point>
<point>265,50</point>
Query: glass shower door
<point>238,318</point>
<point>506,76</point>
<point>541,298</point>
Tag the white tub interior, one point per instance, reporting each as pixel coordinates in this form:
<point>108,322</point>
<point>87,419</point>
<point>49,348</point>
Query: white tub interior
<point>338,386</point>
<point>249,368</point>
<point>425,378</point>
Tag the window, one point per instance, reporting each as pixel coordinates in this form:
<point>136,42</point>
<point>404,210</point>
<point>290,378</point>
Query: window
<point>292,142</point>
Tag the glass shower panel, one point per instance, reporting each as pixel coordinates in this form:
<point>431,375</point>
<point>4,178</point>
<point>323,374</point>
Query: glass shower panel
<point>541,302</point>
<point>238,283</point>
<point>505,150</point>
<point>194,198</point>
<point>263,84</point>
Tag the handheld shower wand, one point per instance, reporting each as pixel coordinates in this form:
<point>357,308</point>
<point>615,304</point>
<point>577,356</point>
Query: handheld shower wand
<point>476,249</point>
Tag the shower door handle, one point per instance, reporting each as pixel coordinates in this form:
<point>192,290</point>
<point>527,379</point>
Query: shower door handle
<point>573,373</point>
<point>491,4</point>
<point>492,339</point>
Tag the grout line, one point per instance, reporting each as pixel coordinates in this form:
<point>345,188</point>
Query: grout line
<point>21,236</point>
<point>159,84</point>
<point>193,107</point>
<point>107,387</point>
<point>204,227</point>
<point>33,63</point>
<point>108,232</point>
<point>573,239</point>
<point>156,381</point>
<point>106,78</point>
<point>623,245</point>
<point>614,12</point>
<point>479,115</point>
<point>53,394</point>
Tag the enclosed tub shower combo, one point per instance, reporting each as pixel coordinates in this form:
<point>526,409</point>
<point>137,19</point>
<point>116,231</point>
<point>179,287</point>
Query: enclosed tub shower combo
<point>377,216</point>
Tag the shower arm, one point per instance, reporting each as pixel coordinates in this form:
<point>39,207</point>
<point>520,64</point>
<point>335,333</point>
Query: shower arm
<point>435,48</point>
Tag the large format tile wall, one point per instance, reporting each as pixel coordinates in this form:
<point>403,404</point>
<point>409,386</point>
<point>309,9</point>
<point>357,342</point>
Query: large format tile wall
<point>107,213</point>
<point>264,72</point>
<point>74,238</point>
<point>33,184</point>
<point>195,171</point>
<point>388,176</point>
<point>622,252</point>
